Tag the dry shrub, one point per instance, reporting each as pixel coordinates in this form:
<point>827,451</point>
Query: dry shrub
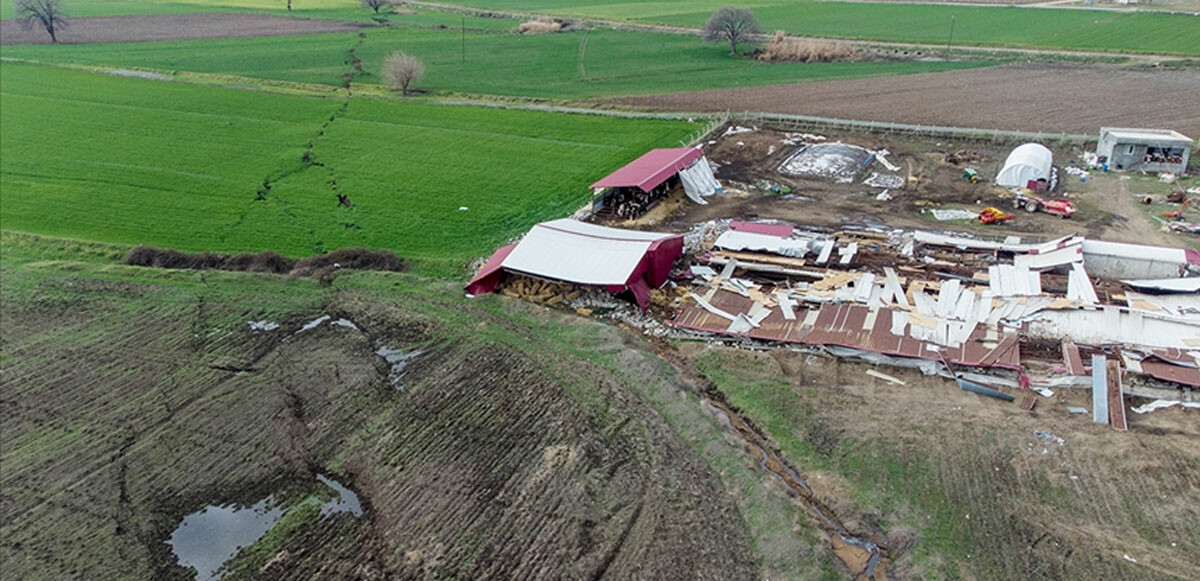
<point>350,258</point>
<point>539,27</point>
<point>268,262</point>
<point>806,50</point>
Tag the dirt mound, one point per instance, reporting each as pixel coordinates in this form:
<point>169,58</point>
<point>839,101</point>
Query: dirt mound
<point>490,461</point>
<point>157,27</point>
<point>321,266</point>
<point>1020,98</point>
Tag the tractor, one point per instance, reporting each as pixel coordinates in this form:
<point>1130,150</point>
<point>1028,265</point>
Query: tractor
<point>1061,208</point>
<point>970,175</point>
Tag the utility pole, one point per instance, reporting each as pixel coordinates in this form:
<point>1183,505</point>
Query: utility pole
<point>464,39</point>
<point>951,39</point>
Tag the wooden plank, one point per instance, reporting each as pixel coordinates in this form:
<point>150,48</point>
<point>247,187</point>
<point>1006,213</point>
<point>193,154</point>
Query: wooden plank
<point>1116,397</point>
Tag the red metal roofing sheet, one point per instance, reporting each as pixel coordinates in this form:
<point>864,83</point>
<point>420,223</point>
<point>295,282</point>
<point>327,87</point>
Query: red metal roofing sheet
<point>651,169</point>
<point>841,324</point>
<point>780,230</point>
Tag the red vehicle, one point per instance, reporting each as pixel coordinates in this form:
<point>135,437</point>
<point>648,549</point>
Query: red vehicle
<point>1060,208</point>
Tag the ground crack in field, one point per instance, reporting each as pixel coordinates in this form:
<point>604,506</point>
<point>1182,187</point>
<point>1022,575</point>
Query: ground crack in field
<point>308,159</point>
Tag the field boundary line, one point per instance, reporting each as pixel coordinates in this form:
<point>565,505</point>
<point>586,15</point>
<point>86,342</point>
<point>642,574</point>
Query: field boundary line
<point>781,120</point>
<point>935,47</point>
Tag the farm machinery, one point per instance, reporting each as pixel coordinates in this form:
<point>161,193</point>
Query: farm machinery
<point>970,175</point>
<point>1061,208</point>
<point>1178,214</point>
<point>991,215</point>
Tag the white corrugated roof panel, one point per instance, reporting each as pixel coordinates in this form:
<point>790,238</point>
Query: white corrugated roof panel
<point>582,253</point>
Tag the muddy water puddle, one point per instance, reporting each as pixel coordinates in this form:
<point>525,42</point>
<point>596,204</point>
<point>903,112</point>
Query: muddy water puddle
<point>206,539</point>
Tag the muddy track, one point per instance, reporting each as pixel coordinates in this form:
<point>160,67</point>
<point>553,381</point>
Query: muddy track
<point>865,555</point>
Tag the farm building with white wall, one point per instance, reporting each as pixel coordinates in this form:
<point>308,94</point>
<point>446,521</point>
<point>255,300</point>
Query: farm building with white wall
<point>1151,150</point>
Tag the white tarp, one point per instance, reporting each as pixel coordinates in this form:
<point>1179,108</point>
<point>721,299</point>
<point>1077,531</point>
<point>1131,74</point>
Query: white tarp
<point>579,252</point>
<point>699,181</point>
<point>1031,161</point>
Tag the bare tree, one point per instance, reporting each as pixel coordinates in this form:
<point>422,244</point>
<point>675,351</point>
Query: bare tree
<point>376,4</point>
<point>731,24</point>
<point>400,70</point>
<point>48,13</point>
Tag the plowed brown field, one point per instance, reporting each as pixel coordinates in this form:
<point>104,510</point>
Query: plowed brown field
<point>1068,99</point>
<point>154,27</point>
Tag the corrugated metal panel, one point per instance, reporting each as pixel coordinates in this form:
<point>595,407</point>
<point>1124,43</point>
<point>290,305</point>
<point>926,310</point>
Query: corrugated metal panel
<point>651,169</point>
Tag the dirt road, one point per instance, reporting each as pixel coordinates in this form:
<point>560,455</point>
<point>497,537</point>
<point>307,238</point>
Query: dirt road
<point>157,27</point>
<point>1059,99</point>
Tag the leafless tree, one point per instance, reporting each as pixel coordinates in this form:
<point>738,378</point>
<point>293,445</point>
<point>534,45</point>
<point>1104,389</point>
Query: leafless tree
<point>48,13</point>
<point>376,4</point>
<point>402,69</point>
<point>731,24</point>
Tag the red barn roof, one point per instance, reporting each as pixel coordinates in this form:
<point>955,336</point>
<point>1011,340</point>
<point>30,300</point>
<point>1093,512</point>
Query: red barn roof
<point>651,169</point>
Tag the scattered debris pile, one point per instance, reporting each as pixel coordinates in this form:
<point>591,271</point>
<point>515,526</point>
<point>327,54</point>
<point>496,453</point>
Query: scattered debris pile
<point>1008,316</point>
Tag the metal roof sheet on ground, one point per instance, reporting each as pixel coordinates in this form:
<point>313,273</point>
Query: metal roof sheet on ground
<point>651,169</point>
<point>742,240</point>
<point>780,230</point>
<point>843,325</point>
<point>582,253</point>
<point>1179,285</point>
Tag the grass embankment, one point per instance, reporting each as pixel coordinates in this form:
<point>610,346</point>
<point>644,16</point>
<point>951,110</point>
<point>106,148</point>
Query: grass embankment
<point>130,161</point>
<point>967,478</point>
<point>1091,30</point>
<point>524,443</point>
<point>615,63</point>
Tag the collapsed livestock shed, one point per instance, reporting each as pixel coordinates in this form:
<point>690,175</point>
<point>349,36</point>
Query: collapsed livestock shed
<point>576,253</point>
<point>1007,319</point>
<point>1028,166</point>
<point>630,191</point>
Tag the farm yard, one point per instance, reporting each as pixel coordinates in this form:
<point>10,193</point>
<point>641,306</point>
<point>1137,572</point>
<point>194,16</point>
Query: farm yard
<point>339,405</point>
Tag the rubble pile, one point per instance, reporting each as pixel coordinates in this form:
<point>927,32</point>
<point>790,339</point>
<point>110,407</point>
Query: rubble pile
<point>997,315</point>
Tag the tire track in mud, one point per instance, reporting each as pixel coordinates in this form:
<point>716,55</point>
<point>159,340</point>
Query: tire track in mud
<point>866,556</point>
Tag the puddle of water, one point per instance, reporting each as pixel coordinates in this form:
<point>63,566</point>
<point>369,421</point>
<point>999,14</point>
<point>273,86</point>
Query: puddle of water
<point>346,501</point>
<point>206,539</point>
<point>398,359</point>
<point>264,325</point>
<point>343,322</point>
<point>313,324</point>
